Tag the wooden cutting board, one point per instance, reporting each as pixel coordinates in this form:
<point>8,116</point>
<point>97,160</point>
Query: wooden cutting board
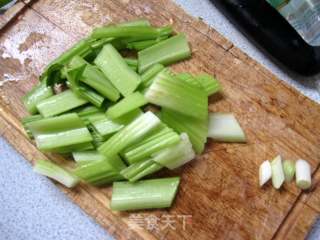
<point>219,194</point>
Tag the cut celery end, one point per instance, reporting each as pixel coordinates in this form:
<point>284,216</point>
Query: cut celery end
<point>165,52</point>
<point>37,94</point>
<point>60,103</point>
<point>303,174</point>
<point>117,71</point>
<point>224,127</point>
<point>188,78</point>
<point>265,173</point>
<point>130,134</point>
<point>166,91</point>
<point>177,155</point>
<point>87,156</point>
<point>129,103</point>
<point>55,172</point>
<point>106,126</point>
<point>94,78</point>
<point>197,129</point>
<point>148,76</point>
<point>289,170</point>
<point>277,172</point>
<point>151,145</point>
<point>145,194</point>
<point>209,83</point>
<point>155,167</point>
<point>27,120</point>
<point>92,96</point>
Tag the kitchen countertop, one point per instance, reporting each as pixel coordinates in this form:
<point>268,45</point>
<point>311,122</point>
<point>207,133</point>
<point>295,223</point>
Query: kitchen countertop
<point>33,208</point>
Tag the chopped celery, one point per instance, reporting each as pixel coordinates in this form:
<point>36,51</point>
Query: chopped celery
<point>224,127</point>
<point>106,126</point>
<point>60,133</point>
<point>137,32</point>
<point>37,94</point>
<point>27,120</point>
<point>126,105</point>
<point>209,83</point>
<point>93,77</point>
<point>55,172</point>
<point>137,22</point>
<point>176,155</point>
<point>87,156</point>
<point>265,172</point>
<point>60,103</point>
<point>148,76</point>
<point>197,129</point>
<point>303,174</point>
<point>165,52</point>
<point>130,134</point>
<point>91,95</point>
<point>166,91</point>
<point>117,71</point>
<point>188,78</point>
<point>163,138</point>
<point>288,170</point>
<point>277,172</point>
<point>140,45</point>
<point>145,194</point>
<point>140,169</point>
<point>132,63</point>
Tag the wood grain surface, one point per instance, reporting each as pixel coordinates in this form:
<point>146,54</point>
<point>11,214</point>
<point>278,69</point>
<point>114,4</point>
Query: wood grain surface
<point>219,189</point>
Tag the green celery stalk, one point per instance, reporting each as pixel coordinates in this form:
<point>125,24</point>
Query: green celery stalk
<point>148,76</point>
<point>197,129</point>
<point>209,83</point>
<point>55,172</point>
<point>155,167</point>
<point>166,91</point>
<point>140,45</point>
<point>165,52</point>
<point>87,156</point>
<point>37,94</point>
<point>98,139</point>
<point>60,133</point>
<point>129,103</point>
<point>177,155</point>
<point>27,120</point>
<point>161,139</point>
<point>136,22</point>
<point>60,103</point>
<point>145,194</point>
<point>117,71</point>
<point>75,147</point>
<point>94,78</point>
<point>107,126</point>
<point>224,127</point>
<point>188,78</point>
<point>130,134</point>
<point>132,63</point>
<point>137,32</point>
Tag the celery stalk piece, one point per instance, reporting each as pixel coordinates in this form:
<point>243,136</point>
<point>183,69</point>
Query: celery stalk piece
<point>289,170</point>
<point>161,139</point>
<point>37,94</point>
<point>100,172</point>
<point>87,156</point>
<point>176,155</point>
<point>265,173</point>
<point>140,45</point>
<point>277,172</point>
<point>155,167</point>
<point>209,83</point>
<point>188,78</point>
<point>197,129</point>
<point>148,76</point>
<point>60,133</point>
<point>165,52</point>
<point>108,126</point>
<point>140,169</point>
<point>132,63</point>
<point>137,22</point>
<point>145,194</point>
<point>27,120</point>
<point>117,71</point>
<point>303,174</point>
<point>92,96</point>
<point>55,172</point>
<point>129,103</point>
<point>166,91</point>
<point>94,78</point>
<point>137,32</point>
<point>60,103</point>
<point>130,134</point>
<point>224,127</point>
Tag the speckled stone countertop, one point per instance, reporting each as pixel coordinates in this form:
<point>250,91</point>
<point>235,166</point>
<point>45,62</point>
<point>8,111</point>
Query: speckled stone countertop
<point>32,207</point>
